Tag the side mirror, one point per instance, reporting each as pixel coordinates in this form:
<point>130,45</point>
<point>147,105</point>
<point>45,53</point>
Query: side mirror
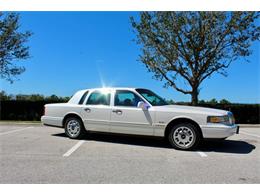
<point>143,105</point>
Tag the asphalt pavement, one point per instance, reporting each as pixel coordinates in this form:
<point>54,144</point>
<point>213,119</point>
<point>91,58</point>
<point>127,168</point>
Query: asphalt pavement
<point>32,153</point>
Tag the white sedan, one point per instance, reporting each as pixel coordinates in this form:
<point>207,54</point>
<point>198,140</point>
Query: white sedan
<point>141,112</point>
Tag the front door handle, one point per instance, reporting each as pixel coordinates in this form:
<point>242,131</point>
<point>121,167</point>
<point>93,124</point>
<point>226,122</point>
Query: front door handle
<point>117,111</point>
<point>87,109</point>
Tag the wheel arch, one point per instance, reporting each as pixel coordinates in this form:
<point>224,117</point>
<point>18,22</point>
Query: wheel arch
<point>68,115</point>
<point>180,120</point>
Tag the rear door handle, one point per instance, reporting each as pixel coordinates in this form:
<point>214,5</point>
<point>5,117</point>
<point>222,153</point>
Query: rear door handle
<point>117,111</point>
<point>87,109</point>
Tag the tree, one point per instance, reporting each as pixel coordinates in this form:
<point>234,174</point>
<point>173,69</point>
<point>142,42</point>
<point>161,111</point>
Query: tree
<point>36,97</point>
<point>202,102</point>
<point>224,101</point>
<point>213,101</point>
<point>4,96</point>
<point>188,47</point>
<point>12,46</point>
<point>53,98</point>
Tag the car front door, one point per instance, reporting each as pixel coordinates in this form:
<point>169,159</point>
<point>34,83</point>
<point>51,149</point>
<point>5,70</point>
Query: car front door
<point>96,111</point>
<point>127,118</point>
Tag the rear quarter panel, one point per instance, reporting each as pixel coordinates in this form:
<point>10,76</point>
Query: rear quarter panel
<point>55,113</point>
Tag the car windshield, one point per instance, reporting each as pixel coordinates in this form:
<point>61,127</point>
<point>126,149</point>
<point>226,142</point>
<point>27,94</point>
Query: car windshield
<point>151,97</point>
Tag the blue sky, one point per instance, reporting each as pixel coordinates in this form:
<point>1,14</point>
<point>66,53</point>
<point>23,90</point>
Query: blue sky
<point>77,50</point>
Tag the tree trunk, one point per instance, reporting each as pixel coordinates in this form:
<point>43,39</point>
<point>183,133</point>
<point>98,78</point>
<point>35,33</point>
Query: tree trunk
<point>194,97</point>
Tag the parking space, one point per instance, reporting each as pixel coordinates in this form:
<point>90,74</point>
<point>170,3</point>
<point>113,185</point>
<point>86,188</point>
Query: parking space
<point>40,154</point>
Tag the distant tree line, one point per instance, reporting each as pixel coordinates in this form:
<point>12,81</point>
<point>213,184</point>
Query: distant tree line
<point>201,102</point>
<point>31,107</point>
<point>32,97</point>
<point>54,98</point>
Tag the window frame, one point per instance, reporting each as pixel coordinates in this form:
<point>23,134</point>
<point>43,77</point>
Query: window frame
<point>147,100</point>
<point>131,91</point>
<point>83,98</point>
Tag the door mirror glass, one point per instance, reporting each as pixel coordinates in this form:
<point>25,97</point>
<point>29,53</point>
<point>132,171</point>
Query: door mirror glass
<point>143,105</point>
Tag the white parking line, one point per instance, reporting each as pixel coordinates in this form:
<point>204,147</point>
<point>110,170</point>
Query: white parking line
<point>202,154</point>
<point>16,130</point>
<point>74,148</point>
<point>245,133</point>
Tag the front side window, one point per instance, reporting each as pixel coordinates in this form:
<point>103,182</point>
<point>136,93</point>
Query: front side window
<point>151,97</point>
<point>99,98</point>
<point>126,98</point>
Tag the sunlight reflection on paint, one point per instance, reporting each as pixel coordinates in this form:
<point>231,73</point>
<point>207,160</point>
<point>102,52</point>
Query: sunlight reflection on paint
<point>105,91</point>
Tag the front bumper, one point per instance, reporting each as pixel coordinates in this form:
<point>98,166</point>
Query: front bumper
<point>219,130</point>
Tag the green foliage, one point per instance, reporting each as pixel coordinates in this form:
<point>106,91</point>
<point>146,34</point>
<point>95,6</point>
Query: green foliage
<point>30,107</point>
<point>33,110</point>
<point>32,97</point>
<point>53,98</point>
<point>188,47</point>
<point>224,101</point>
<point>213,101</point>
<point>4,96</point>
<point>12,46</point>
<point>170,101</point>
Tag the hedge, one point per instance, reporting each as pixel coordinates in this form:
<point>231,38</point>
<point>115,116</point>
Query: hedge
<point>244,113</point>
<point>22,110</point>
<point>33,110</point>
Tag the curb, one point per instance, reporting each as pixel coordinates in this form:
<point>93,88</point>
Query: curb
<point>20,123</point>
<point>249,125</point>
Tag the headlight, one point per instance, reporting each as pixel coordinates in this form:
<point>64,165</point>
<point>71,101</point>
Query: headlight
<point>227,119</point>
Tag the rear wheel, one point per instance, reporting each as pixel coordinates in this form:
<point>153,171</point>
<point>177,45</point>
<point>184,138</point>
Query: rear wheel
<point>184,136</point>
<point>74,128</point>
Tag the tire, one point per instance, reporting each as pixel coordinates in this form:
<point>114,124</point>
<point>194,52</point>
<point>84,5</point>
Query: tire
<point>74,128</point>
<point>184,136</point>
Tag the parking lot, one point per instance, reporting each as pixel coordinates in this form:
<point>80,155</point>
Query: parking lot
<point>32,153</point>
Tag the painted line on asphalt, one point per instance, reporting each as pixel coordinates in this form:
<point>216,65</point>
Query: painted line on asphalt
<point>202,154</point>
<point>254,135</point>
<point>14,131</point>
<point>74,148</point>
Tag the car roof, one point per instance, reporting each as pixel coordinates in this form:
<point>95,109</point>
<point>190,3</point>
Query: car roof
<point>110,88</point>
<point>76,97</point>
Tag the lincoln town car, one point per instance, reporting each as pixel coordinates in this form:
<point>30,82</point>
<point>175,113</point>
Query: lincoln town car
<point>141,112</point>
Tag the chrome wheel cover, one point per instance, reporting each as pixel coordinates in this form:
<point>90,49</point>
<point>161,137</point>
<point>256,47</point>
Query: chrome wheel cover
<point>73,128</point>
<point>183,137</point>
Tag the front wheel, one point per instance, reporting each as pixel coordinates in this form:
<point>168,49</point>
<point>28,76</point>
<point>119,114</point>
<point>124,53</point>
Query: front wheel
<point>74,128</point>
<point>184,136</point>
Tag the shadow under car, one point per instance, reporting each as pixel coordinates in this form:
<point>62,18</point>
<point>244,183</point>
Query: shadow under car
<point>224,146</point>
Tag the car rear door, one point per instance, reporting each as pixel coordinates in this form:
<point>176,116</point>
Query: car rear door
<point>96,111</point>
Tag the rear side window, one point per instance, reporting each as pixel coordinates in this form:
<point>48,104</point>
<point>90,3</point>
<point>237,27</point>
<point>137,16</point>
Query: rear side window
<point>83,97</point>
<point>99,98</point>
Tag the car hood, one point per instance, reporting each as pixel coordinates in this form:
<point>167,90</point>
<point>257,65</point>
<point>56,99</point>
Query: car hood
<point>191,109</point>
